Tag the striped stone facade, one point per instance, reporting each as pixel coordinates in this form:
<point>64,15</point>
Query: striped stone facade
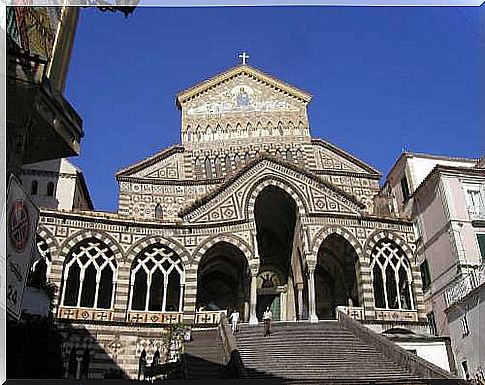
<point>200,208</point>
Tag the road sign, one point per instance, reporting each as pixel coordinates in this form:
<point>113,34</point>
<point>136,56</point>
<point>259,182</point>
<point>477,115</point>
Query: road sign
<point>20,224</point>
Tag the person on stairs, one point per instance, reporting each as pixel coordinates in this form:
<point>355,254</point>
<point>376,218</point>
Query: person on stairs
<point>267,317</point>
<point>234,317</point>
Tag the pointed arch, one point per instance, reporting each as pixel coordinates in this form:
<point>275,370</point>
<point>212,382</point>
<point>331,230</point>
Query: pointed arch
<point>158,211</point>
<point>274,180</point>
<point>156,280</point>
<point>217,167</point>
<point>90,275</point>
<point>227,164</point>
<point>208,168</point>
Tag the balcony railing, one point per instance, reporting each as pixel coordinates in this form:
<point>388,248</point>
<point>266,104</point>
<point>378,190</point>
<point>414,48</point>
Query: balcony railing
<point>465,285</point>
<point>477,213</point>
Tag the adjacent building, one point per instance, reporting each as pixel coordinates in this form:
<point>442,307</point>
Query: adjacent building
<point>445,199</point>
<point>56,184</point>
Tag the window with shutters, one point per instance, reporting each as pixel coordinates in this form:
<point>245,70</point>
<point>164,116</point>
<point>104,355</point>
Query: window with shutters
<point>425,275</point>
<point>481,245</point>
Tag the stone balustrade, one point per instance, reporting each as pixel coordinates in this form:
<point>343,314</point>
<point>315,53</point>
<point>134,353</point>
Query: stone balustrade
<point>353,312</point>
<point>209,317</point>
<point>79,313</point>
<point>465,285</point>
<point>169,317</point>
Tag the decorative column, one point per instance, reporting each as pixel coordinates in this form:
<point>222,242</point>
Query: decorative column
<point>254,268</point>
<point>299,289</point>
<point>253,319</point>
<point>311,293</point>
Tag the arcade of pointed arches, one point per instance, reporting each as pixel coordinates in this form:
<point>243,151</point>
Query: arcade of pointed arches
<point>157,273</point>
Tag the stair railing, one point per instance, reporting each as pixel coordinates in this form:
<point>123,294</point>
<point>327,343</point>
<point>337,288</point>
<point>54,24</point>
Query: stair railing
<point>397,354</point>
<point>232,358</point>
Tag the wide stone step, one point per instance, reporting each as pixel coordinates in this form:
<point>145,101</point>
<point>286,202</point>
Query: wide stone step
<point>323,350</point>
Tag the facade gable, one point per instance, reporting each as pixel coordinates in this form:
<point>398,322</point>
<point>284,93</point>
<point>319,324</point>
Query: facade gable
<point>233,200</point>
<point>167,164</point>
<point>329,157</point>
<point>242,103</point>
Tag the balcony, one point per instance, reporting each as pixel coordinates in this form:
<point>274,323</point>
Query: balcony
<point>38,111</point>
<point>460,289</point>
<point>477,213</point>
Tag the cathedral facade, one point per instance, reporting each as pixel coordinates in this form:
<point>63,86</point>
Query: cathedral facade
<point>249,211</point>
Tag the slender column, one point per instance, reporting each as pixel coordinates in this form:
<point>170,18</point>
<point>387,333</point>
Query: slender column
<point>299,288</point>
<point>253,319</point>
<point>311,294</point>
<point>181,298</point>
<point>78,367</point>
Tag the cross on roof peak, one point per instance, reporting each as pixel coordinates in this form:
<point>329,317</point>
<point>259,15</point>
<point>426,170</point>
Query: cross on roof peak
<point>243,56</point>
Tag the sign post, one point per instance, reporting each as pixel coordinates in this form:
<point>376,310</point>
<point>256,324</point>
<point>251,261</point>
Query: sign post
<point>19,227</point>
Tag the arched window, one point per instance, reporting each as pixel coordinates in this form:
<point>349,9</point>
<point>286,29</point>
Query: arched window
<point>90,275</point>
<point>34,187</point>
<point>247,158</point>
<point>157,279</point>
<point>228,164</point>
<point>391,277</point>
<point>279,153</point>
<point>300,158</point>
<point>208,168</point>
<point>158,211</point>
<point>218,167</point>
<point>198,171</point>
<point>289,155</point>
<point>50,189</point>
<point>237,161</point>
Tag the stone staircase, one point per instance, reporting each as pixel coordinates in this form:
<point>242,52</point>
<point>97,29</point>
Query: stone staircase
<point>322,351</point>
<point>204,356</point>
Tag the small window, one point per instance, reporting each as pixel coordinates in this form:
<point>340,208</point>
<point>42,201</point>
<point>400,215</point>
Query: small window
<point>50,189</point>
<point>464,324</point>
<point>481,245</point>
<point>425,275</point>
<point>208,168</point>
<point>34,187</point>
<point>405,188</point>
<point>474,199</point>
<point>158,211</point>
<point>289,155</point>
<point>432,323</point>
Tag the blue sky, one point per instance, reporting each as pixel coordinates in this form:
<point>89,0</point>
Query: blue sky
<point>382,79</point>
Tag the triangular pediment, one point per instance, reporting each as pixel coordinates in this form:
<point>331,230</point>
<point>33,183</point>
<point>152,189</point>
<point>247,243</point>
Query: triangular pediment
<point>246,71</point>
<point>229,202</point>
<point>166,164</point>
<point>329,157</point>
